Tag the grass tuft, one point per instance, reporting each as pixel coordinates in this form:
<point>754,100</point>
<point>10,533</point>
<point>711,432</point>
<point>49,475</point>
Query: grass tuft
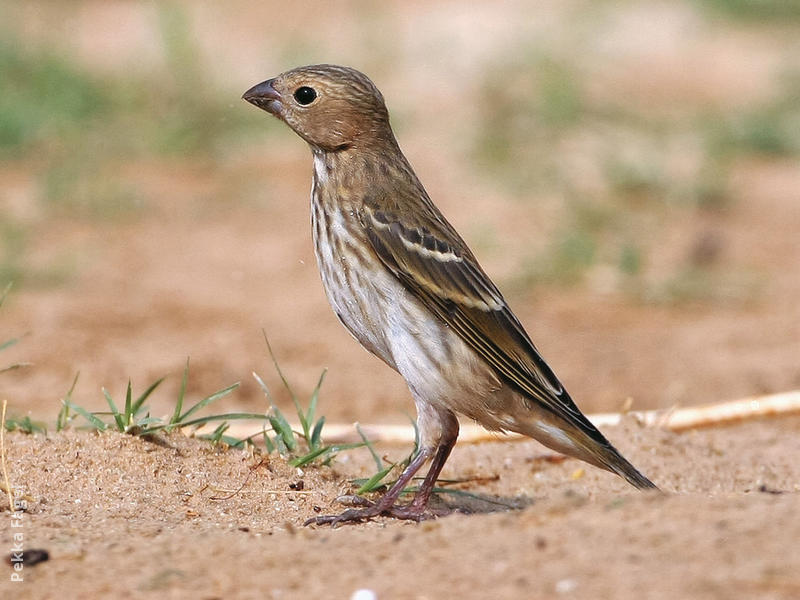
<point>25,425</point>
<point>135,418</point>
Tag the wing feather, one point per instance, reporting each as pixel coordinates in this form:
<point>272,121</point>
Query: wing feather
<point>438,269</point>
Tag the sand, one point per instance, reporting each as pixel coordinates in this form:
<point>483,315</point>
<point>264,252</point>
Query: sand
<point>175,517</point>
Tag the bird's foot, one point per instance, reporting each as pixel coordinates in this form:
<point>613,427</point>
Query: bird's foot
<point>368,510</point>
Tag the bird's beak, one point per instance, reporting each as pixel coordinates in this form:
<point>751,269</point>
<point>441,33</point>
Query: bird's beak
<point>264,96</point>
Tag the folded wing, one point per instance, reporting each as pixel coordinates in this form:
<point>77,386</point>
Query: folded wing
<point>437,268</point>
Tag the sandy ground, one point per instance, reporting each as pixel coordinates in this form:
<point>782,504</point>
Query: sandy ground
<point>176,518</point>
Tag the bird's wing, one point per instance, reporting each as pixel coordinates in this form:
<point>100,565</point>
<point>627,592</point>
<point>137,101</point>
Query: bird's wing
<point>438,268</point>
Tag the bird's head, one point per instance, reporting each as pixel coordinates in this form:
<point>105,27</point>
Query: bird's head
<point>332,108</point>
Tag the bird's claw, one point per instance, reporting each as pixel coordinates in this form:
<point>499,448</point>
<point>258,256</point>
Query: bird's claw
<point>366,509</point>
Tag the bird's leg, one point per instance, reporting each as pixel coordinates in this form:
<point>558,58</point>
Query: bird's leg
<point>416,510</point>
<point>439,431</point>
<point>388,499</point>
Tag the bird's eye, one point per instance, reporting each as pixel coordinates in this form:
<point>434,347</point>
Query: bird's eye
<point>305,95</point>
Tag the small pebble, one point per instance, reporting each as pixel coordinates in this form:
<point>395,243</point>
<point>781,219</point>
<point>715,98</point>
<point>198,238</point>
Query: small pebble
<point>28,558</point>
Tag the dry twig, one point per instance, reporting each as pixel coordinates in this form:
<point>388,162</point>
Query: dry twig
<point>676,419</point>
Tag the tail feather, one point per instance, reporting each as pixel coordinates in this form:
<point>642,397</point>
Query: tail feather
<point>593,447</point>
<point>584,441</point>
<point>613,461</point>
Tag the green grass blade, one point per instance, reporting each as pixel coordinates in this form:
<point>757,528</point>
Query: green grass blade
<point>374,482</point>
<point>321,451</point>
<point>216,436</point>
<point>25,425</point>
<point>264,387</point>
<point>128,400</point>
<point>307,458</point>
<point>334,449</point>
<point>233,442</point>
<point>118,417</point>
<point>312,404</point>
<point>281,427</point>
<point>316,434</point>
<point>228,416</point>
<point>285,436</point>
<point>236,443</point>
<point>278,368</point>
<point>303,424</point>
<point>228,440</point>
<point>295,401</point>
<point>206,401</point>
<point>378,462</point>
<point>204,420</point>
<point>63,414</point>
<point>281,446</point>
<point>140,400</point>
<point>284,440</point>
<point>349,446</point>
<point>268,443</point>
<point>176,414</point>
<point>95,421</point>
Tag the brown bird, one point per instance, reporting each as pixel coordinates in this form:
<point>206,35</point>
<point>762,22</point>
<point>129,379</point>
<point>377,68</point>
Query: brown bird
<point>408,288</point>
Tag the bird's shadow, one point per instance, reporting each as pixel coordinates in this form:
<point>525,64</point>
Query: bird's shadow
<point>459,501</point>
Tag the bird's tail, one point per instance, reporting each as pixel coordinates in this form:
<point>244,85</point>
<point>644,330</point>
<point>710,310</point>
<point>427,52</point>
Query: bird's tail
<point>611,460</point>
<point>582,440</point>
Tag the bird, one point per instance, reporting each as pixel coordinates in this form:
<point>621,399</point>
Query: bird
<point>407,287</point>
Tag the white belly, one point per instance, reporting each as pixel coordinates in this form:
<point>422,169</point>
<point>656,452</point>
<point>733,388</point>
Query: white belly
<point>389,321</point>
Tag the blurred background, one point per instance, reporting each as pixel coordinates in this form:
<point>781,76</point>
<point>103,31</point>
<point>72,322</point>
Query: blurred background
<point>627,172</point>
